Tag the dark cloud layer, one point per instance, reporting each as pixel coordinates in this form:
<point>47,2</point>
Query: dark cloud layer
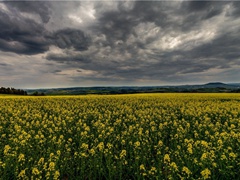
<point>67,38</point>
<point>126,42</point>
<point>39,8</point>
<point>21,35</point>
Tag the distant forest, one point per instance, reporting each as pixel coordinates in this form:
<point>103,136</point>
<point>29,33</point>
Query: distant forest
<point>11,90</point>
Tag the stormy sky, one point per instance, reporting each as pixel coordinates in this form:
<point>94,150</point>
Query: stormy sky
<point>113,43</point>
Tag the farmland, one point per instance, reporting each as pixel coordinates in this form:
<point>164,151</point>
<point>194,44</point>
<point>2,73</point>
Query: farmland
<point>141,136</point>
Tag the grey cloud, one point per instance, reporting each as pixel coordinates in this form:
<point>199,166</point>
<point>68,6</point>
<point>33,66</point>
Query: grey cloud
<point>42,8</point>
<point>120,45</point>
<point>236,6</point>
<point>195,12</point>
<point>224,47</point>
<point>3,64</point>
<point>204,8</point>
<point>222,53</point>
<point>198,5</point>
<point>118,25</point>
<point>156,12</point>
<point>57,71</point>
<point>67,58</point>
<point>67,38</point>
<point>25,36</point>
<point>20,35</point>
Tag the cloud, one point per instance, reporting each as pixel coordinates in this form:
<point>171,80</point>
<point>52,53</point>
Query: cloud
<point>126,42</point>
<point>21,35</point>
<point>24,35</point>
<point>135,43</point>
<point>3,64</point>
<point>236,9</point>
<point>40,8</point>
<point>67,38</point>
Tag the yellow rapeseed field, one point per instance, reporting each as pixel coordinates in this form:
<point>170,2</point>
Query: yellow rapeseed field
<point>142,136</point>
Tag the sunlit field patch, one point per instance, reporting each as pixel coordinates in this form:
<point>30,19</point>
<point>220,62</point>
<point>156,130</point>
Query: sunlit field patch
<point>142,136</point>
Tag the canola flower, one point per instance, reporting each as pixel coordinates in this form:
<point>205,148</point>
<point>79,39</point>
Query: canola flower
<point>142,136</point>
<point>206,173</point>
<point>186,172</point>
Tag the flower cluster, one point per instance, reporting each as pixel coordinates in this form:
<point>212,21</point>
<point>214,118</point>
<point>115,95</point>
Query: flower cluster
<point>142,136</point>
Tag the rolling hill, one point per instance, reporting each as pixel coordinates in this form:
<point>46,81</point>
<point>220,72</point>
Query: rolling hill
<point>203,88</point>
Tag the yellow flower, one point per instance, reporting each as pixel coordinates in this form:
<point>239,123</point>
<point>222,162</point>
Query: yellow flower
<point>84,146</point>
<point>137,144</point>
<point>51,166</point>
<point>204,143</point>
<point>223,157</point>
<point>219,142</point>
<point>232,155</point>
<point>101,146</point>
<point>51,155</point>
<point>21,157</point>
<point>174,166</point>
<point>206,173</point>
<point>142,167</point>
<point>22,174</point>
<point>92,151</point>
<point>160,143</point>
<point>204,156</point>
<point>186,170</point>
<point>109,145</point>
<point>84,155</point>
<point>58,152</point>
<point>35,171</point>
<point>214,164</point>
<point>166,158</point>
<point>153,170</point>
<point>41,161</point>
<point>6,149</point>
<point>123,154</point>
<point>56,175</point>
<point>123,142</point>
<point>189,149</point>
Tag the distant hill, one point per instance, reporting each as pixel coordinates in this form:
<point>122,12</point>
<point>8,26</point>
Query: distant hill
<point>204,88</point>
<point>217,85</point>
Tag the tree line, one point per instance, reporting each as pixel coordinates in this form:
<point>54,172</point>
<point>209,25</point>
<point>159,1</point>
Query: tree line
<point>11,90</point>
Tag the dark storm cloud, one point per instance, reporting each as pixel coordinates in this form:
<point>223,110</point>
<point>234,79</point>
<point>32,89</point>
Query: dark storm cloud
<point>125,41</point>
<point>221,53</point>
<point>23,35</point>
<point>3,64</point>
<point>67,58</point>
<point>57,71</point>
<point>204,7</point>
<point>198,5</point>
<point>236,11</point>
<point>119,25</point>
<point>152,11</point>
<point>41,8</point>
<point>116,25</point>
<point>224,47</point>
<point>67,38</point>
<point>196,12</point>
<point>20,35</point>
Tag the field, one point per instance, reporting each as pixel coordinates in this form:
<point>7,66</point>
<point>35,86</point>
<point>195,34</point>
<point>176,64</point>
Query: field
<point>142,136</point>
